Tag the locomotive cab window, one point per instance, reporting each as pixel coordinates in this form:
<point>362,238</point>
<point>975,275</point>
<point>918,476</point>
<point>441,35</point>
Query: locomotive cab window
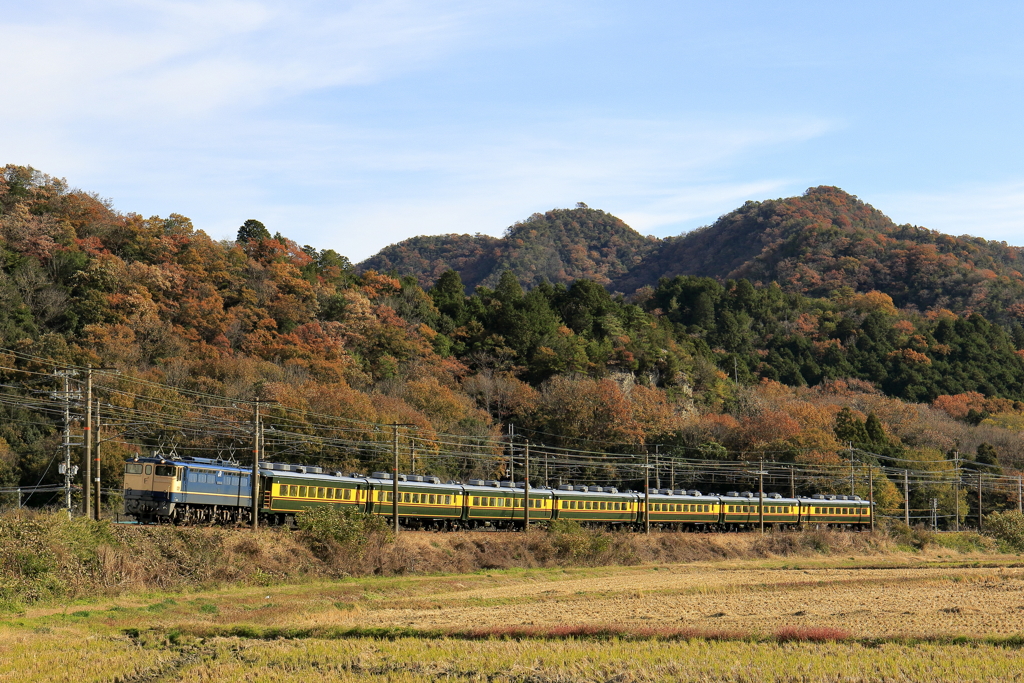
<point>132,468</point>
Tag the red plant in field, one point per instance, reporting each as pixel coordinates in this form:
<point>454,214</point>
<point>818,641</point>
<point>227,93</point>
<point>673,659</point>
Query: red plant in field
<point>811,634</point>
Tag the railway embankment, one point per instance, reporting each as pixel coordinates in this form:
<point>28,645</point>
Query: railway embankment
<point>47,558</point>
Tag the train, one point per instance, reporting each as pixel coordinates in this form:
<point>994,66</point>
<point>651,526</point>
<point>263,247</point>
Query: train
<point>193,490</point>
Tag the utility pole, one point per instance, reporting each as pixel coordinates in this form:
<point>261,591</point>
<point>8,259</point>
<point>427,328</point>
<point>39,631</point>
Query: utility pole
<point>760,495</point>
<point>647,493</point>
<point>257,428</point>
<point>394,476</point>
<point>852,492</point>
<point>956,491</point>
<point>394,480</point>
<point>87,476</point>
<point>511,452</point>
<point>906,497</point>
<point>672,472</point>
<point>871,497</point>
<point>657,469</point>
<point>96,480</point>
<point>979,501</point>
<point>526,493</point>
<point>1020,497</point>
<point>66,468</point>
<point>546,456</point>
<point>792,483</point>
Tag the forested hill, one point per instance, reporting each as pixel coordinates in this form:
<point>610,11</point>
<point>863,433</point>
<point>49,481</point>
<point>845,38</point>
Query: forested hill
<point>814,244</point>
<point>561,245</point>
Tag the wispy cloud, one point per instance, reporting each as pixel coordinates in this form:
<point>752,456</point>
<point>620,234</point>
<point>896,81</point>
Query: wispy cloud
<point>165,60</point>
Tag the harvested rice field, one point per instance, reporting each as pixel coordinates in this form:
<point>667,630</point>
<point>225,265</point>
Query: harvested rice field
<point>940,618</point>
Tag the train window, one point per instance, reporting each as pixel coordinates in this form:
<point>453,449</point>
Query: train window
<point>447,500</point>
<point>320,492</point>
<point>415,497</point>
<point>348,494</point>
<point>164,471</point>
<point>508,502</point>
<point>302,492</point>
<point>132,468</point>
<point>149,469</point>
<point>476,500</point>
<point>572,504</point>
<point>330,494</point>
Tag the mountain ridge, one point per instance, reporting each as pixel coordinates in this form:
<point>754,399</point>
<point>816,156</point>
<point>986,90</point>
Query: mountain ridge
<point>813,244</point>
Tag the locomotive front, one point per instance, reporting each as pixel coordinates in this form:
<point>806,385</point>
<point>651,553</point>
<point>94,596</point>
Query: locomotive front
<point>150,488</point>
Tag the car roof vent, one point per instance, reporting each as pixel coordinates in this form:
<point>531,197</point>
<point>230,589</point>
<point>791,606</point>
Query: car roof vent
<point>508,484</point>
<point>476,482</point>
<point>733,494</point>
<point>818,496</point>
<point>493,483</point>
<point>747,494</point>
<point>776,496</point>
<point>855,498</point>
<point>610,489</point>
<point>434,480</point>
<point>694,492</point>
<point>381,475</point>
<point>565,487</point>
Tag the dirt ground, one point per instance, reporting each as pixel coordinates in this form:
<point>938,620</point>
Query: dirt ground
<point>868,602</point>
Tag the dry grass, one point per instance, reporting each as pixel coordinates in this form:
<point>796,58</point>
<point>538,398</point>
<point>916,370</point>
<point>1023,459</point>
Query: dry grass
<point>625,624</point>
<point>414,660</point>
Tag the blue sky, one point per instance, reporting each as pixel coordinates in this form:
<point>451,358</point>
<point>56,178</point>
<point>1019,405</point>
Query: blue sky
<point>352,125</point>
